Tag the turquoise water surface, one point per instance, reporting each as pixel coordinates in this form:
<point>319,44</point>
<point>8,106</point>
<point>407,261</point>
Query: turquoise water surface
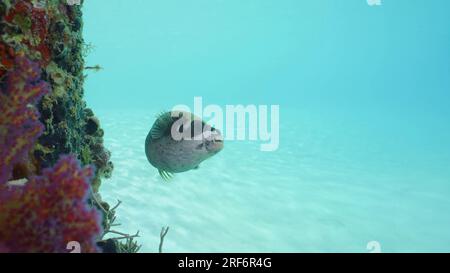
<point>364,95</point>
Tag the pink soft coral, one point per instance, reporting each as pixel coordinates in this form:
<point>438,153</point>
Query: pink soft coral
<point>50,211</point>
<point>19,120</point>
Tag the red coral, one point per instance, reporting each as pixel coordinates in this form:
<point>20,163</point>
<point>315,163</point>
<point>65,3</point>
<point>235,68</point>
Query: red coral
<point>39,27</point>
<point>6,59</point>
<point>21,7</point>
<point>50,211</point>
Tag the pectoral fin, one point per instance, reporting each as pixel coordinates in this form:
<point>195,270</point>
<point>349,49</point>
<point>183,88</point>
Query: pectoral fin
<point>165,175</point>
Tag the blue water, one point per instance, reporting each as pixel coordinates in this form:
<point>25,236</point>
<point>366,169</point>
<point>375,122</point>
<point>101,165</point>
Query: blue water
<point>364,95</point>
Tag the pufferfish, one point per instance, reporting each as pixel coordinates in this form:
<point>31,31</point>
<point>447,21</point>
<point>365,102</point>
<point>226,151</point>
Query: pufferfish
<point>179,141</point>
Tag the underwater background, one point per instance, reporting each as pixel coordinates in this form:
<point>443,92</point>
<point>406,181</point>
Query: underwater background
<point>364,95</point>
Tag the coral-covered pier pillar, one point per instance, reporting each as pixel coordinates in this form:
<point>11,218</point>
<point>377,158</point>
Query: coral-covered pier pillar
<point>52,157</point>
<point>49,33</point>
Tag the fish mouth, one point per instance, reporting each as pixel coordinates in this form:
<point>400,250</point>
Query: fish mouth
<point>219,144</point>
<point>214,146</point>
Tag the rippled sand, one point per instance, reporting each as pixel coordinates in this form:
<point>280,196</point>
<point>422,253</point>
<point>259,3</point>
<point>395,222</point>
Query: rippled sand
<point>331,187</point>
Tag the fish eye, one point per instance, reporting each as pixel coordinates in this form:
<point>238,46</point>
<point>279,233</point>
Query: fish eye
<point>213,129</point>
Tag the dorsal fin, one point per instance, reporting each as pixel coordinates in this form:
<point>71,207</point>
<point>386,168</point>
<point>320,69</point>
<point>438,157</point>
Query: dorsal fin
<point>165,120</point>
<point>163,123</point>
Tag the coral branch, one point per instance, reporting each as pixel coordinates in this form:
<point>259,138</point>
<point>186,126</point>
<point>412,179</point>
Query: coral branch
<point>163,234</point>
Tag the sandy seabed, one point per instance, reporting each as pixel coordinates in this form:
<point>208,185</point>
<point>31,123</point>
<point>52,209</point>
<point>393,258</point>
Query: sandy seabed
<point>329,188</point>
